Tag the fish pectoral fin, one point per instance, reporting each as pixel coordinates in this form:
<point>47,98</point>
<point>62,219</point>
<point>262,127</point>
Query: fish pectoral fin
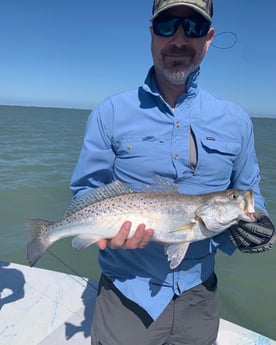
<point>176,253</point>
<point>184,227</point>
<point>83,241</point>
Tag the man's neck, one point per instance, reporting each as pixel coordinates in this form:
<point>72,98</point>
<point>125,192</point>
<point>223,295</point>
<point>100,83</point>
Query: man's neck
<point>169,91</point>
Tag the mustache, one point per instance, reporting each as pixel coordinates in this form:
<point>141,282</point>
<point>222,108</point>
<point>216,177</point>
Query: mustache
<point>174,50</point>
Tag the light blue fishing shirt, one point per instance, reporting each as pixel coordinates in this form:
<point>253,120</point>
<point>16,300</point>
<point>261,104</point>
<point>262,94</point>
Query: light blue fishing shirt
<point>136,135</point>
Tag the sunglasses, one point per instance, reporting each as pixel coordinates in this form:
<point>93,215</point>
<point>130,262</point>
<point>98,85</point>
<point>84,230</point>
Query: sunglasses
<point>167,27</point>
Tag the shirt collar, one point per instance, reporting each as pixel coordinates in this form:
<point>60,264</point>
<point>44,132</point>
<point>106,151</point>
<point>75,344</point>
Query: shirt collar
<point>192,84</point>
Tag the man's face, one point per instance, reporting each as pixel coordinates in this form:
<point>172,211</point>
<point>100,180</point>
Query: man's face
<point>175,57</point>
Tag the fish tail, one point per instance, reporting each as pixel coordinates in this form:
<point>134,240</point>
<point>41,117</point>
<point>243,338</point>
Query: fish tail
<point>38,240</point>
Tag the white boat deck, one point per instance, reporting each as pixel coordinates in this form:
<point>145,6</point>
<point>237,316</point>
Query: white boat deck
<point>42,307</point>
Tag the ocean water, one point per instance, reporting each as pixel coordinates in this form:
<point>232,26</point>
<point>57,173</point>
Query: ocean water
<point>39,149</point>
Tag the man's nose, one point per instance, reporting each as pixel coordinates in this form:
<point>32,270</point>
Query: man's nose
<point>179,37</point>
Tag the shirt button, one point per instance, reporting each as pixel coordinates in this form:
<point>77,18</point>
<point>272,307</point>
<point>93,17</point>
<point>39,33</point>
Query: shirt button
<point>177,124</point>
<point>175,157</point>
<point>177,288</point>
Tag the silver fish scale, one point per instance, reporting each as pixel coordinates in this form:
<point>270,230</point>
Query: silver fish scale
<point>164,212</point>
<point>136,203</point>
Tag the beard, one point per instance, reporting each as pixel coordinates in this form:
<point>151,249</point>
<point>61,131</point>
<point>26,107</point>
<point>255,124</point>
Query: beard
<point>176,64</point>
<point>178,75</point>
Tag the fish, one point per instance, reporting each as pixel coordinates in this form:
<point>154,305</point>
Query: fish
<point>177,219</point>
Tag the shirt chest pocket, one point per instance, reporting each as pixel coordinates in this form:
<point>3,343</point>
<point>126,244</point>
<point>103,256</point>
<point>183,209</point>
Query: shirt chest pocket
<point>148,152</point>
<point>216,160</point>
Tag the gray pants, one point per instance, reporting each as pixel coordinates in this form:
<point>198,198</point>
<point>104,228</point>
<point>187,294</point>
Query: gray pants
<point>190,319</point>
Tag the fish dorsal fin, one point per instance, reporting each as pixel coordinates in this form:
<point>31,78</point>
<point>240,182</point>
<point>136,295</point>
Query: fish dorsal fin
<point>161,186</point>
<point>101,193</point>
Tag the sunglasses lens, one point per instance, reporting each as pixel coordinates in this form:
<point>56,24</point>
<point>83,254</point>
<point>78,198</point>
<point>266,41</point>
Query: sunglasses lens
<point>196,29</point>
<point>165,28</point>
<point>192,28</point>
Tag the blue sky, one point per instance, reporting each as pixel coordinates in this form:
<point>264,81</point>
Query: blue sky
<point>74,53</point>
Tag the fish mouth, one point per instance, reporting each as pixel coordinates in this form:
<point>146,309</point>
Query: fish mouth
<point>250,203</point>
<point>249,217</point>
<point>249,209</point>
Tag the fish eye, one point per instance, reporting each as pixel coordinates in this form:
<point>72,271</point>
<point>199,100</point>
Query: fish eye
<point>234,196</point>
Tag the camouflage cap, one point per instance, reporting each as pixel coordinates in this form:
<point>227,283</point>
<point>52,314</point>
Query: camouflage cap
<point>204,7</point>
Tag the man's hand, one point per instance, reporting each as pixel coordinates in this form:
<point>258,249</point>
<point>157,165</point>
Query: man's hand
<point>140,239</point>
<point>254,237</point>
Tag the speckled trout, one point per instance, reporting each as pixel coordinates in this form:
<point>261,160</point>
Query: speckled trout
<point>177,219</point>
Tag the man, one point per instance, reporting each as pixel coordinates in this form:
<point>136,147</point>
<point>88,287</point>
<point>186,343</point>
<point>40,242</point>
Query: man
<point>171,128</point>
